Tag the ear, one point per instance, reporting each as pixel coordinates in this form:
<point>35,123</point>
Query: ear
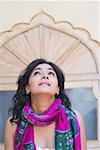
<point>27,89</point>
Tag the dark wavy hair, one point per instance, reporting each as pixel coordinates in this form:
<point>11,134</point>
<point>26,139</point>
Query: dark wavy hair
<point>21,98</point>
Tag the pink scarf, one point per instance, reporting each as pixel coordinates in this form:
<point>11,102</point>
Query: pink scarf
<point>67,131</point>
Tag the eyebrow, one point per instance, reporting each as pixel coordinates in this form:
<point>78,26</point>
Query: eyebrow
<point>41,69</point>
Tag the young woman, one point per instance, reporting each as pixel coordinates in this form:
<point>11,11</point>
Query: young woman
<point>41,114</point>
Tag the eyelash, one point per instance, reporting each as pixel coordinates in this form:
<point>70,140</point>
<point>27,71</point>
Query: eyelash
<point>49,73</point>
<point>35,73</point>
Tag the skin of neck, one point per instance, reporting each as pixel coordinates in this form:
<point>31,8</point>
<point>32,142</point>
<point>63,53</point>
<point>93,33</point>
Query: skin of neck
<point>41,102</point>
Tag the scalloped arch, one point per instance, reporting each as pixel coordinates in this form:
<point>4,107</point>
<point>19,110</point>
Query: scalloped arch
<point>71,48</point>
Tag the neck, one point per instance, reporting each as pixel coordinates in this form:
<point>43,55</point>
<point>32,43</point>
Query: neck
<point>41,103</point>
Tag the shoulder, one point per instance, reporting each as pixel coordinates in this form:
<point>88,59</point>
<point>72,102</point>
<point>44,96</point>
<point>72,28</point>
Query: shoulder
<point>80,121</point>
<point>82,130</point>
<point>70,113</point>
<point>10,129</point>
<point>75,114</point>
<point>11,126</point>
<point>79,117</point>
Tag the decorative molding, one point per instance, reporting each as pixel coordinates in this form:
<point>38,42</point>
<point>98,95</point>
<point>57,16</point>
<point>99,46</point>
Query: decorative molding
<point>70,47</point>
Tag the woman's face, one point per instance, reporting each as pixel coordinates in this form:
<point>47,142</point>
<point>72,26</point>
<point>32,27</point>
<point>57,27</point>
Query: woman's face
<point>43,80</point>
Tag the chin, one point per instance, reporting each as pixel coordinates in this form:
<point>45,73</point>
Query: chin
<point>45,92</point>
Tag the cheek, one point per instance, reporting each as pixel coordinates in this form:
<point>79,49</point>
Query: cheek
<point>55,81</point>
<point>55,84</point>
<point>33,83</point>
<point>34,79</point>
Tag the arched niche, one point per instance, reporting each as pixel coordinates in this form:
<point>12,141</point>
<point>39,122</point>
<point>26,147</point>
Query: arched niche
<point>69,47</point>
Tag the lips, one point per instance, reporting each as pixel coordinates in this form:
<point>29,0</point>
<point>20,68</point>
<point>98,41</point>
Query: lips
<point>44,83</point>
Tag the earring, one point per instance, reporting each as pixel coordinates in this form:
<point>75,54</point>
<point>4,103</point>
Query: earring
<point>56,95</point>
<point>27,92</point>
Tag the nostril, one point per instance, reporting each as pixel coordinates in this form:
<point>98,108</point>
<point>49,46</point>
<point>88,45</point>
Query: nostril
<point>45,77</point>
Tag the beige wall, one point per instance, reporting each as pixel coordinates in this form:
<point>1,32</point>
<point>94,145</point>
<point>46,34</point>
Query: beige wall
<point>80,13</point>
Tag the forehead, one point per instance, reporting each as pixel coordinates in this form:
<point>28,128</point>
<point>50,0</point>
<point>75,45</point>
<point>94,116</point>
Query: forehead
<point>44,66</point>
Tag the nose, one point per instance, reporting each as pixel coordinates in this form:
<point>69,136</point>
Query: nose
<point>45,76</point>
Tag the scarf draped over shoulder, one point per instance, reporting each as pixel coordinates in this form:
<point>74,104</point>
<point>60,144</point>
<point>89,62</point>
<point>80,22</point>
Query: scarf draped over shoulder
<point>67,130</point>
